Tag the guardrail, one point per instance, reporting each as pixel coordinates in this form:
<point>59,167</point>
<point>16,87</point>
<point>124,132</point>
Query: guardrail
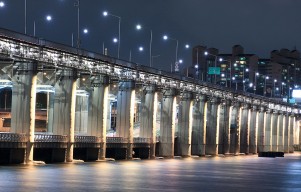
<point>117,140</point>
<point>13,137</point>
<point>142,140</point>
<point>39,138</point>
<point>87,139</point>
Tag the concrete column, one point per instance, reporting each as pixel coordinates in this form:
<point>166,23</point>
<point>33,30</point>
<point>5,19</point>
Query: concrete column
<point>64,108</point>
<point>253,130</point>
<point>149,104</point>
<point>280,132</point>
<point>212,127</point>
<point>23,103</point>
<point>268,132</point>
<point>286,132</point>
<point>224,128</point>
<point>261,123</point>
<point>274,130</point>
<point>167,125</point>
<point>291,134</point>
<point>125,113</point>
<point>98,111</point>
<point>81,114</point>
<point>185,124</point>
<point>50,112</point>
<point>235,127</point>
<point>245,128</point>
<point>199,126</point>
<point>299,130</point>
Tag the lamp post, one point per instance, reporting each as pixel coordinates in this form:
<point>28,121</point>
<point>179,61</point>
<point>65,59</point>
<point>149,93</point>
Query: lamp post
<point>265,85</point>
<point>282,84</point>
<point>48,18</point>
<point>105,13</point>
<point>140,49</point>
<point>233,78</point>
<point>196,66</point>
<point>139,27</point>
<point>153,57</point>
<point>256,74</point>
<point>274,90</point>
<point>165,37</point>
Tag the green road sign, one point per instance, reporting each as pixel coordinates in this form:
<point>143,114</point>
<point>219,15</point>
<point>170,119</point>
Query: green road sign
<point>214,70</point>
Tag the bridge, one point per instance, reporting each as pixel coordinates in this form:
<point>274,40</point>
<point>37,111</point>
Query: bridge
<point>60,103</point>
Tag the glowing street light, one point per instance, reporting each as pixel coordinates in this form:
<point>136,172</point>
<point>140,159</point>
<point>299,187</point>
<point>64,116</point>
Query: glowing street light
<point>105,14</point>
<point>139,27</point>
<point>86,31</point>
<point>165,37</point>
<point>140,49</point>
<point>2,4</point>
<point>48,18</point>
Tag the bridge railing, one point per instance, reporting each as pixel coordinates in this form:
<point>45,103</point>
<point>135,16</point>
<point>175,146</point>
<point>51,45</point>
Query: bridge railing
<point>13,137</point>
<point>117,140</point>
<point>142,140</point>
<point>38,138</point>
<point>87,139</point>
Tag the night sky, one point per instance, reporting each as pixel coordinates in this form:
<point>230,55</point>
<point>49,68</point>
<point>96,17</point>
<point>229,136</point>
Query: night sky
<point>260,26</point>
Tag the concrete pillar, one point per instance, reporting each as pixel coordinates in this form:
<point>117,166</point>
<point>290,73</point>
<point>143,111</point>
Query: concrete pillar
<point>286,132</point>
<point>167,124</point>
<point>268,132</point>
<point>81,114</point>
<point>261,123</point>
<point>149,104</point>
<point>274,130</point>
<point>291,134</point>
<point>212,127</point>
<point>199,126</point>
<point>50,112</point>
<point>98,111</point>
<point>185,124</point>
<point>64,108</point>
<point>280,132</point>
<point>23,103</point>
<point>244,130</point>
<point>235,127</point>
<point>253,130</point>
<point>125,113</point>
<point>224,128</point>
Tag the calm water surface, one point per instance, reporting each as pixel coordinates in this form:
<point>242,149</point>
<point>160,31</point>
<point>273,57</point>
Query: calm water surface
<point>239,173</point>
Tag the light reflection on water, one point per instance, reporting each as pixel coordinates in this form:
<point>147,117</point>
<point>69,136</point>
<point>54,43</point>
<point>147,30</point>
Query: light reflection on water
<point>243,173</point>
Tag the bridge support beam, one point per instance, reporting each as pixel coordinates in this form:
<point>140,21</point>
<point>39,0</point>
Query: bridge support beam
<point>235,127</point>
<point>149,104</point>
<point>167,124</point>
<point>286,132</point>
<point>274,130</point>
<point>224,128</point>
<point>199,126</point>
<point>253,130</point>
<point>261,129</point>
<point>185,124</point>
<point>212,127</point>
<point>280,132</point>
<point>245,128</point>
<point>64,108</point>
<point>291,133</point>
<point>98,111</point>
<point>125,113</point>
<point>23,104</point>
<point>268,132</point>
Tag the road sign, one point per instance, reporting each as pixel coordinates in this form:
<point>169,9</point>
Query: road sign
<point>214,70</point>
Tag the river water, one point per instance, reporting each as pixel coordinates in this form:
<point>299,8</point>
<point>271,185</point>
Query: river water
<point>233,173</point>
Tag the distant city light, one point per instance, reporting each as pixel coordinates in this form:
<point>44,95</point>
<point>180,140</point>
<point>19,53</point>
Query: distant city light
<point>187,46</point>
<point>206,53</point>
<point>140,48</point>
<point>105,13</point>
<point>180,61</point>
<point>115,40</point>
<point>165,37</point>
<point>86,31</point>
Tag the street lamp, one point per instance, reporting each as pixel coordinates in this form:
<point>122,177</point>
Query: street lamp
<point>274,90</point>
<point>165,37</point>
<point>154,56</point>
<point>255,81</point>
<point>139,27</point>
<point>265,85</point>
<point>215,61</point>
<point>243,77</point>
<point>48,18</point>
<point>105,13</point>
<point>140,49</point>
<point>233,79</point>
<point>2,4</point>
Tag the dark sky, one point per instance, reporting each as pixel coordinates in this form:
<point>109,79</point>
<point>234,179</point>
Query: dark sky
<point>260,26</point>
